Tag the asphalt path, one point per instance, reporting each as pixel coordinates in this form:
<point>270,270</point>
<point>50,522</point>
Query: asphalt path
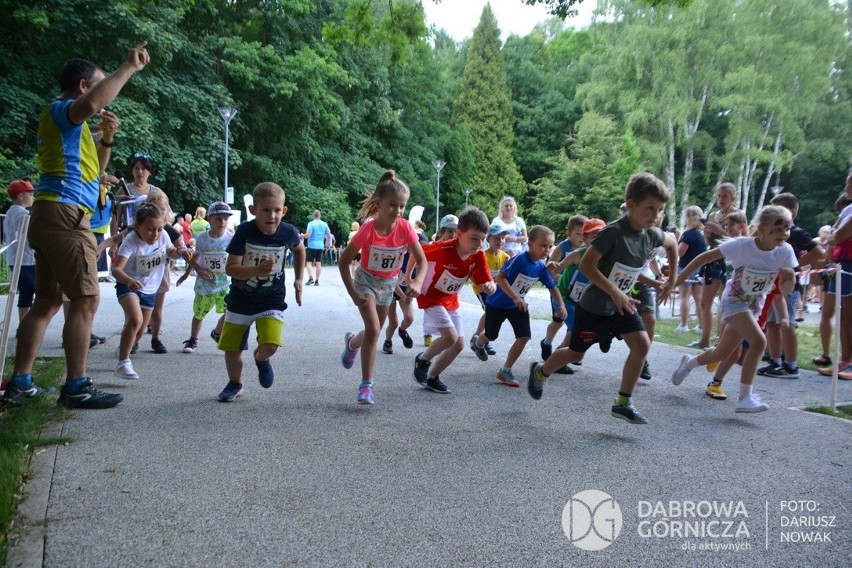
<point>301,475</point>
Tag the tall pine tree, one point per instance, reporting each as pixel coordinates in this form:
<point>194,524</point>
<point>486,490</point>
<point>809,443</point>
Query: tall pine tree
<point>484,104</point>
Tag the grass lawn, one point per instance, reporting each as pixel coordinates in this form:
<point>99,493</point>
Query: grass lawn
<point>19,437</point>
<point>809,345</point>
<point>843,411</point>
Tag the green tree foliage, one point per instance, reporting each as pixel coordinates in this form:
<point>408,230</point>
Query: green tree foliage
<point>589,178</point>
<point>484,104</point>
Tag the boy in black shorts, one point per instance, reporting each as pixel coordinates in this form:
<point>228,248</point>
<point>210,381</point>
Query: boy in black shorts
<point>613,264</point>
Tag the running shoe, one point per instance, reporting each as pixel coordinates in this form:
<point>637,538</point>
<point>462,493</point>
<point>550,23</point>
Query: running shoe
<point>506,377</point>
<point>407,342</point>
<point>714,391</point>
<point>126,371</point>
<point>387,347</point>
<point>535,382</point>
<point>190,345</point>
<point>546,350</point>
<point>480,351</point>
<point>489,349</point>
<point>646,372</point>
<point>157,346</point>
<point>265,374</point>
<point>88,397</point>
<point>231,391</point>
<point>628,412</point>
<point>435,384</point>
<point>365,393</point>
<point>682,371</point>
<point>751,404</point>
<point>421,369</point>
<point>348,356</point>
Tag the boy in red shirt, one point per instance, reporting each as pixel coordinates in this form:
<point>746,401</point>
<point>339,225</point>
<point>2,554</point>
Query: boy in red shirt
<point>449,266</point>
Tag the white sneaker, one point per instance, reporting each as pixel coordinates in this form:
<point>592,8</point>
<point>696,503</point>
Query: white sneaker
<point>751,403</point>
<point>696,329</point>
<point>682,371</point>
<point>126,371</point>
<point>682,328</point>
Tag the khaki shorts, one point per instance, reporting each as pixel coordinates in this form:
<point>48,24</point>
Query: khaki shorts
<point>65,251</point>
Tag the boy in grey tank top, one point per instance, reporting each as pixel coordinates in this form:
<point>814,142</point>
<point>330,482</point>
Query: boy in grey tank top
<point>613,264</point>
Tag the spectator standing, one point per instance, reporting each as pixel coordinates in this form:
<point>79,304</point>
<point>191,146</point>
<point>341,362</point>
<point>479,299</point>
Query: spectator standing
<point>315,237</point>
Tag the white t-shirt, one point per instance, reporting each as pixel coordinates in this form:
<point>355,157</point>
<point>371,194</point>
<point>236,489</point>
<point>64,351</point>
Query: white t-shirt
<point>146,263</point>
<point>754,270</point>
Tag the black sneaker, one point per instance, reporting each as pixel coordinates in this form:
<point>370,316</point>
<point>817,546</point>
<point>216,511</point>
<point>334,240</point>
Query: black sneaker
<point>421,369</point>
<point>309,282</point>
<point>16,396</point>
<point>99,338</point>
<point>646,372</point>
<point>489,349</point>
<point>566,370</point>
<point>88,397</point>
<point>628,413</point>
<point>480,351</point>
<point>771,370</point>
<point>435,384</point>
<point>605,343</point>
<point>546,350</point>
<point>215,336</point>
<point>387,347</point>
<point>535,386</point>
<point>135,348</point>
<point>407,342</point>
<point>157,346</point>
<point>190,345</point>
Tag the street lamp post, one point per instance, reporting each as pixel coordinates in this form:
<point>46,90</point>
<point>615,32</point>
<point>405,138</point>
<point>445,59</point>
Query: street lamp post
<point>467,191</point>
<point>227,115</point>
<point>439,165</point>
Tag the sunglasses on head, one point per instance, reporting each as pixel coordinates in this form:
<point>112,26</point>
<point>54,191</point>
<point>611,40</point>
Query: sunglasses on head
<point>138,155</point>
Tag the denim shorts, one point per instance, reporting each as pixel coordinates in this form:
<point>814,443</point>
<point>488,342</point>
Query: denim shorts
<point>380,288</point>
<point>146,301</point>
<point>845,281</point>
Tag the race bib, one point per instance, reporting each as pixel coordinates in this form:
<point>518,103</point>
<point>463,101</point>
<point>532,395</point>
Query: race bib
<point>385,259</point>
<point>577,291</point>
<point>215,261</point>
<point>449,284</point>
<point>523,284</point>
<point>624,277</point>
<point>756,282</point>
<point>146,264</point>
<point>256,254</point>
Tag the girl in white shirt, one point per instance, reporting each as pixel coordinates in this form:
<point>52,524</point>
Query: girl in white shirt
<point>138,271</point>
<point>756,261</point>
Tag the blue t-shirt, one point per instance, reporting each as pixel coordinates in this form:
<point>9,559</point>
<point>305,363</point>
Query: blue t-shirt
<point>260,293</point>
<point>67,159</point>
<point>521,273</point>
<point>696,245</point>
<point>318,230</point>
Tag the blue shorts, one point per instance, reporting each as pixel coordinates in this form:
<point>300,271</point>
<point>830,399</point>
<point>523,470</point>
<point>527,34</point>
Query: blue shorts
<point>714,271</point>
<point>26,286</point>
<point>146,301</point>
<point>845,281</point>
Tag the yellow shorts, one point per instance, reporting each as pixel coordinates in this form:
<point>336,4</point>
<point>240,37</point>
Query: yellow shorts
<point>269,325</point>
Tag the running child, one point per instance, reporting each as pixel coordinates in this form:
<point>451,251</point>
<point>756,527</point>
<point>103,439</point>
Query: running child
<point>613,264</point>
<point>22,193</point>
<point>406,307</point>
<point>258,292</point>
<point>382,240</point>
<point>572,282</point>
<point>560,251</point>
<point>756,261</point>
<point>446,231</point>
<point>138,271</point>
<point>211,282</point>
<point>515,279</point>
<point>496,258</point>
<point>450,264</point>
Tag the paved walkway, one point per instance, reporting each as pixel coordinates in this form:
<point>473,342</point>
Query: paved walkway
<point>301,475</point>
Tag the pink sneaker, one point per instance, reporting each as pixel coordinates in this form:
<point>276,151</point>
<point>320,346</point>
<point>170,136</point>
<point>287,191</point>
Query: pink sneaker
<point>348,356</point>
